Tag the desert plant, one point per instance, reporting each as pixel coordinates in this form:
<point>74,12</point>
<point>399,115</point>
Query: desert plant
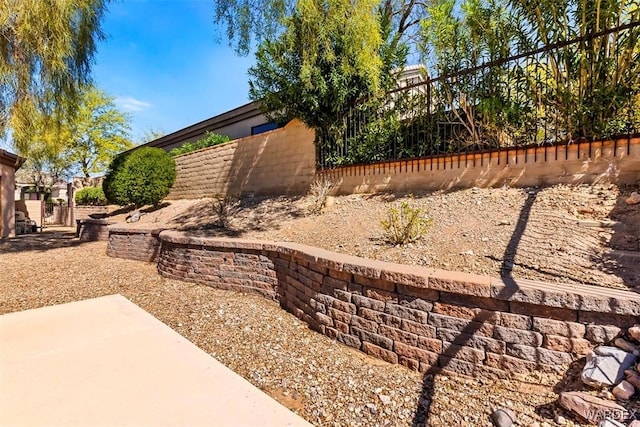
<point>405,223</point>
<point>90,196</point>
<point>140,177</point>
<point>225,207</point>
<point>319,190</point>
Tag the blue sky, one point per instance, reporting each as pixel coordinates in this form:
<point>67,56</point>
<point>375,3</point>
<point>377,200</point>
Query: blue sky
<point>168,65</point>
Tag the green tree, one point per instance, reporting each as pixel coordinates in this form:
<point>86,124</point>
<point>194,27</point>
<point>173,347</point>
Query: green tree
<point>151,134</point>
<point>586,87</point>
<point>84,141</point>
<point>331,54</point>
<point>459,35</point>
<point>46,152</point>
<point>46,50</point>
<point>140,177</point>
<point>251,22</point>
<point>97,132</point>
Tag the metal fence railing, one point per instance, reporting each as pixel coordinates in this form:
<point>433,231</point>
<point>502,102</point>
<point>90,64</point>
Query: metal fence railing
<point>583,89</point>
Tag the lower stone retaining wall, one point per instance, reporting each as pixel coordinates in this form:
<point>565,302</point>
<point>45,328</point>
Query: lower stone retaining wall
<point>89,230</point>
<point>138,244</point>
<point>422,318</point>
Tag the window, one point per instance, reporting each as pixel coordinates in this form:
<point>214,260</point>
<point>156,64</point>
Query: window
<point>265,127</point>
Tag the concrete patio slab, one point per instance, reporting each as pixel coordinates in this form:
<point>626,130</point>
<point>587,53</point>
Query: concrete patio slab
<point>107,362</point>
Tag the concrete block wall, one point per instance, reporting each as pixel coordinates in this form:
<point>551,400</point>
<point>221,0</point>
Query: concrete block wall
<point>281,161</point>
<point>616,162</point>
<point>422,318</point>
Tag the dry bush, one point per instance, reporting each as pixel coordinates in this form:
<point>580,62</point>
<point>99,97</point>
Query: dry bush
<point>405,223</point>
<point>225,207</point>
<point>320,189</point>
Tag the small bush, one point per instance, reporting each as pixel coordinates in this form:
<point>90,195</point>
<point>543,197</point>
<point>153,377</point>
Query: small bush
<point>90,196</point>
<point>140,177</point>
<point>208,141</point>
<point>224,208</point>
<point>320,188</point>
<point>404,224</point>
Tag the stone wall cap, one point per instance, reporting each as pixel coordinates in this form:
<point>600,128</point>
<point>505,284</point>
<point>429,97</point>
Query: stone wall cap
<point>120,228</point>
<point>572,297</point>
<point>100,221</point>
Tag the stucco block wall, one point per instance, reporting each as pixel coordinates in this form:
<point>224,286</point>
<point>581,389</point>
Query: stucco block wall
<point>85,212</point>
<point>423,318</point>
<point>615,162</point>
<point>7,210</point>
<point>281,161</point>
<point>34,210</point>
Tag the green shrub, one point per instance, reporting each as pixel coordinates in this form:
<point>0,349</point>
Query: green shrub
<point>404,224</point>
<point>208,141</point>
<point>90,196</point>
<point>140,177</point>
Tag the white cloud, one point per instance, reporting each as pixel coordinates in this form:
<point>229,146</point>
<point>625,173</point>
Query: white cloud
<point>130,103</point>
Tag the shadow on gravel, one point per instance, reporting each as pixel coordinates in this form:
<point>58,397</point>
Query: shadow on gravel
<point>39,242</point>
<point>624,258</point>
<point>465,335</point>
<point>253,214</point>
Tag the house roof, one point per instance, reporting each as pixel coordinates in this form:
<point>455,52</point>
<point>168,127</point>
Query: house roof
<point>230,117</point>
<point>11,159</point>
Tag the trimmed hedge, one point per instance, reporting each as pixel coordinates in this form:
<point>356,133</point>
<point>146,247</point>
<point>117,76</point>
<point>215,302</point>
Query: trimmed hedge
<point>90,196</point>
<point>208,141</point>
<point>140,177</point>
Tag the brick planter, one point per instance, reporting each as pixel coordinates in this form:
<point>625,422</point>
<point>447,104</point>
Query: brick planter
<point>134,243</point>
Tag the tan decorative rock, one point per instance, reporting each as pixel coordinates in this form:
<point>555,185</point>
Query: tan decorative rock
<point>610,423</point>
<point>624,390</point>
<point>503,417</point>
<point>633,199</point>
<point>634,331</point>
<point>627,346</point>
<point>591,408</point>
<point>633,377</point>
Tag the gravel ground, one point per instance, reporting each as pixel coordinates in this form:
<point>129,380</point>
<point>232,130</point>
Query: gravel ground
<point>325,382</point>
<point>580,234</point>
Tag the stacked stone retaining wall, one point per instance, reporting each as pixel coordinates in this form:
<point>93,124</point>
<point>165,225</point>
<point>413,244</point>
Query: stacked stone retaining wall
<point>422,318</point>
<point>134,243</point>
<point>90,230</point>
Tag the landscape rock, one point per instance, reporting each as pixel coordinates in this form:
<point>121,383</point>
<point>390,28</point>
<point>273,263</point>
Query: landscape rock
<point>627,346</point>
<point>607,422</point>
<point>134,217</point>
<point>634,331</point>
<point>605,393</point>
<point>633,199</point>
<point>606,365</point>
<point>559,419</point>
<point>624,390</point>
<point>591,408</point>
<point>503,417</point>
<point>601,334</point>
<point>633,377</point>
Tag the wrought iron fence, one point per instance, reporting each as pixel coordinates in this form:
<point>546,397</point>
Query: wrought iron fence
<point>583,89</point>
